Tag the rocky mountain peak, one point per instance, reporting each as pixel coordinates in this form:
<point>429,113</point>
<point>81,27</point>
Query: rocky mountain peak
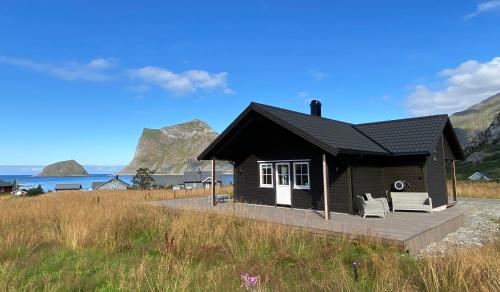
<point>172,149</point>
<point>188,129</point>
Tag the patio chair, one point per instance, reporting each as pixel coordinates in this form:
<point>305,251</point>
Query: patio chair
<point>383,200</point>
<point>370,208</point>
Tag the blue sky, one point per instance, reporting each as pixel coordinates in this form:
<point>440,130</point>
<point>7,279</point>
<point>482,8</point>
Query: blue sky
<point>80,80</point>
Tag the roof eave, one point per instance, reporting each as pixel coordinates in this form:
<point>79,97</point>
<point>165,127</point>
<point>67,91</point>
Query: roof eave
<point>300,133</point>
<point>205,155</point>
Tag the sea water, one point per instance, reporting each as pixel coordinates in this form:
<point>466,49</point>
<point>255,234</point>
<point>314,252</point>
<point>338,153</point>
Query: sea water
<point>48,183</point>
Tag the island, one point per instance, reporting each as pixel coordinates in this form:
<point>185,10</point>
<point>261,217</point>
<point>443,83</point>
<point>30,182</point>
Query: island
<point>64,168</point>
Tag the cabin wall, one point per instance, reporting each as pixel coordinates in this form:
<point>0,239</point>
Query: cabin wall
<point>339,198</point>
<point>414,174</point>
<point>278,144</point>
<point>368,179</point>
<point>246,184</point>
<point>436,176</point>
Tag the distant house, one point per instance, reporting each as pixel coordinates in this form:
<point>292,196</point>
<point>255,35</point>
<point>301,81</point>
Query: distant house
<point>201,179</point>
<point>166,180</point>
<point>112,184</point>
<point>480,176</point>
<point>68,187</point>
<point>6,187</point>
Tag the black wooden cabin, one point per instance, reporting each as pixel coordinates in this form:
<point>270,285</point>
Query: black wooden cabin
<point>280,156</point>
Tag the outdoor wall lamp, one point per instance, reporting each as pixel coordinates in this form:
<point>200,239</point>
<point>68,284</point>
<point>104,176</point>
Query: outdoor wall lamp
<point>355,269</point>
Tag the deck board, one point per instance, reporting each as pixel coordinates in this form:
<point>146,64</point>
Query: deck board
<point>412,231</point>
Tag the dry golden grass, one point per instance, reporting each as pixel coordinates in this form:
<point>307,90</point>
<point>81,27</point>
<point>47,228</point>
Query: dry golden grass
<point>478,189</point>
<point>112,240</point>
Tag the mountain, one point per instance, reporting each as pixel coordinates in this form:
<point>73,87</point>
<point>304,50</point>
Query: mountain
<point>173,149</point>
<point>63,168</point>
<point>483,153</point>
<point>478,129</point>
<point>476,119</point>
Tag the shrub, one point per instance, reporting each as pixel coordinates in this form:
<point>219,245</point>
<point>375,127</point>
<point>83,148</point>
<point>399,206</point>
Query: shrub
<point>35,191</point>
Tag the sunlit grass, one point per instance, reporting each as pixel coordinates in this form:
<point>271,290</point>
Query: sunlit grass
<point>477,189</point>
<point>112,241</point>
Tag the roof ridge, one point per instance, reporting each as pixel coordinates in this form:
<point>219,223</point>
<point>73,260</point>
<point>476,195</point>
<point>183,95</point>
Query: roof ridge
<point>403,119</point>
<point>308,115</point>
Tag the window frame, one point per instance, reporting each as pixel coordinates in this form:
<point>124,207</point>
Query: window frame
<point>261,184</point>
<point>301,187</point>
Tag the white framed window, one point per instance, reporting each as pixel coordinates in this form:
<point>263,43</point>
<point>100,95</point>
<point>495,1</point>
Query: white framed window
<point>266,175</point>
<point>301,176</point>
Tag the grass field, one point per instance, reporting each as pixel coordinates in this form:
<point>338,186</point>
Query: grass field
<point>112,240</point>
<point>478,189</point>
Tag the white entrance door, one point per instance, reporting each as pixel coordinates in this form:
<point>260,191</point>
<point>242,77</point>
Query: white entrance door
<point>283,186</point>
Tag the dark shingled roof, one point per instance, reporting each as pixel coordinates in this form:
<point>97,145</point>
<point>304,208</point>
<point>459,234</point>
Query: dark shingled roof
<point>413,136</point>
<point>166,180</point>
<point>338,136</point>
<point>199,176</point>
<point>68,187</point>
<point>406,136</point>
<point>5,184</point>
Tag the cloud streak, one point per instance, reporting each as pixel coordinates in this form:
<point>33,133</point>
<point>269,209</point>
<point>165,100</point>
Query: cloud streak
<point>465,85</point>
<point>103,69</point>
<point>181,83</point>
<point>94,70</point>
<point>318,75</point>
<point>484,7</point>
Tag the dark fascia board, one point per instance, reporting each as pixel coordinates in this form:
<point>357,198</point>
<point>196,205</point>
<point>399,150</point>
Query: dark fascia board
<point>357,152</point>
<point>205,155</point>
<point>461,154</point>
<point>446,122</point>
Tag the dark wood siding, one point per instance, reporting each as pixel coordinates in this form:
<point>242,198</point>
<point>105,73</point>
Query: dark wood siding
<point>246,186</point>
<point>339,188</point>
<point>368,179</point>
<point>436,176</point>
<point>414,174</point>
<point>313,198</point>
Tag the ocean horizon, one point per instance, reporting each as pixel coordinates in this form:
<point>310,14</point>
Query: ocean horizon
<point>48,183</point>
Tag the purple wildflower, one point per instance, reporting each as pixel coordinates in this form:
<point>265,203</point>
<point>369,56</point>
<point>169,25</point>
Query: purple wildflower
<point>248,281</point>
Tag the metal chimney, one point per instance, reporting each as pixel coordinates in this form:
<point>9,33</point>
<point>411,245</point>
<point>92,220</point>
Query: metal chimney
<point>315,108</point>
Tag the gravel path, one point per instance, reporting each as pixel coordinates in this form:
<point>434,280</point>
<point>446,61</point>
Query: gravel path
<point>482,224</point>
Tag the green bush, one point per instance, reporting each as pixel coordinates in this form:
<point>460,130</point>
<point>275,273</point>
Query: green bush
<point>35,191</point>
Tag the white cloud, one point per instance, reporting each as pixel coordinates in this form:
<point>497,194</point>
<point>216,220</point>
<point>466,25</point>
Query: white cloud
<point>318,75</point>
<point>102,63</point>
<point>484,7</point>
<point>464,86</point>
<point>188,81</point>
<point>91,71</point>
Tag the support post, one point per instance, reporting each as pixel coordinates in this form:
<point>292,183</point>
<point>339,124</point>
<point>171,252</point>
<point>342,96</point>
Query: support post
<point>325,188</point>
<point>454,180</point>
<point>212,185</point>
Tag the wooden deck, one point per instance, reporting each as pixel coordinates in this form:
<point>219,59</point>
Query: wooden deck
<point>412,231</point>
